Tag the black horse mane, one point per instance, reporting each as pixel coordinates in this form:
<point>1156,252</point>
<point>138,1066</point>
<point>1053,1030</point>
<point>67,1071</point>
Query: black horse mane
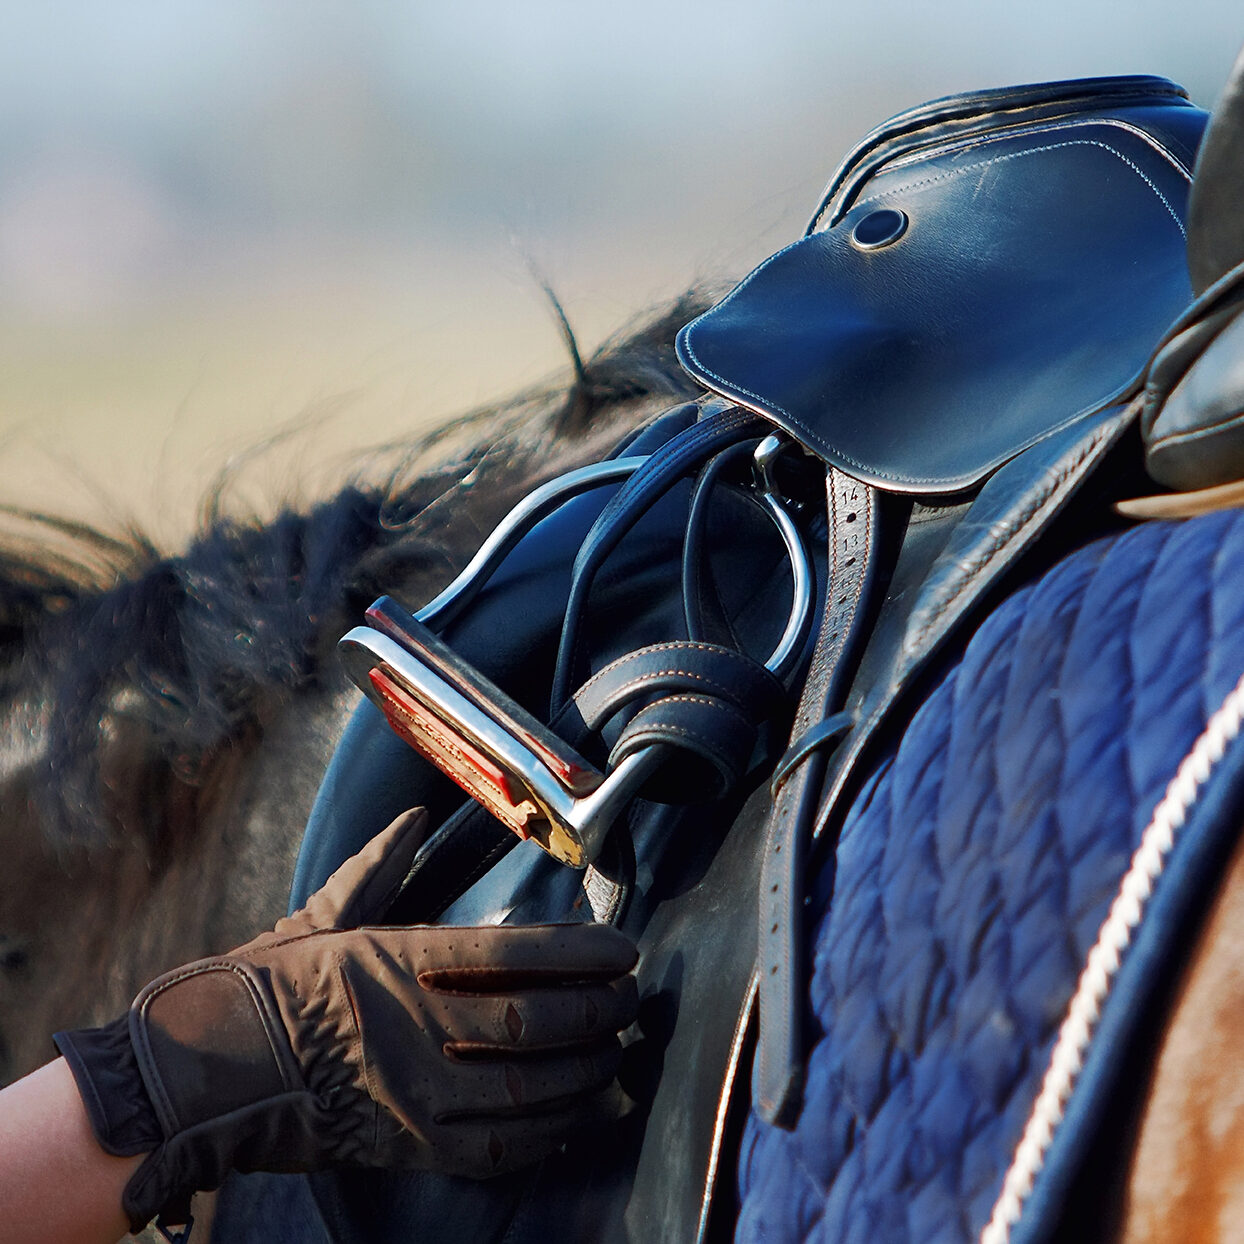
<point>194,650</point>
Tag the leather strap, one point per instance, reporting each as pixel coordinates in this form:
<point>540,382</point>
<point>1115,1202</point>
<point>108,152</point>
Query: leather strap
<point>453,859</point>
<point>714,742</point>
<point>778,1073</point>
<point>707,703</point>
<point>702,606</point>
<point>720,426</point>
<point>677,666</point>
<point>833,728</point>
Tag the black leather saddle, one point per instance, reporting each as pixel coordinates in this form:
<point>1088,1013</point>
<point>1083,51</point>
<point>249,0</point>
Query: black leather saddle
<point>983,282</point>
<point>946,358</point>
<point>982,272</point>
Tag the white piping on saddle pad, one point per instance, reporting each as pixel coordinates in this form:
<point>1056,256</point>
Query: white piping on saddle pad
<point>1126,912</point>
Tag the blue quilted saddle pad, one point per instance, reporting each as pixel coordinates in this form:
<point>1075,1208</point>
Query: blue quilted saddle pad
<point>978,871</point>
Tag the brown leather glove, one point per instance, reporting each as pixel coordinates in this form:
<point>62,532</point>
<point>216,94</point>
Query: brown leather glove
<point>465,1050</point>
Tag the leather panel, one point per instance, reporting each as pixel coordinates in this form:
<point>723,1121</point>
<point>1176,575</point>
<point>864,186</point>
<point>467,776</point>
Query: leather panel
<point>1036,273</point>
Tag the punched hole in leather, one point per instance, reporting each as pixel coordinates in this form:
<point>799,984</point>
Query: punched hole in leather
<point>853,580</point>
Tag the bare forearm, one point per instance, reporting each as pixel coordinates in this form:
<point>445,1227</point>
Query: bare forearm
<point>57,1186</point>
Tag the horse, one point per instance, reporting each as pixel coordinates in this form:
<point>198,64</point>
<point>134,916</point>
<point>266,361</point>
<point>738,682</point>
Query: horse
<point>142,741</point>
<point>168,717</point>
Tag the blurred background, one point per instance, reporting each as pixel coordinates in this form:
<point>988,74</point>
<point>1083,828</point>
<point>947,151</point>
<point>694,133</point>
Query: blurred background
<point>221,218</point>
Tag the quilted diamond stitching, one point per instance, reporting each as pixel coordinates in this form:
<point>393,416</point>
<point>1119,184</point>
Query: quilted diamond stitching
<point>990,842</point>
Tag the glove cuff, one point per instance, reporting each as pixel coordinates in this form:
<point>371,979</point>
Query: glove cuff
<point>111,1086</point>
<point>198,1075</point>
<point>281,1134</point>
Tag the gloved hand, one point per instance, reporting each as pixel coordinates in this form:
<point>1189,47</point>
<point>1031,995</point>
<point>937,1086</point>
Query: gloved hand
<point>465,1050</point>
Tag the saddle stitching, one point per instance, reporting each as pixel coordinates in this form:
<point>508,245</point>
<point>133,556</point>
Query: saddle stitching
<point>669,646</point>
<point>815,437</point>
<point>984,140</point>
<point>638,683</point>
<point>1015,155</point>
<point>824,445</point>
<point>707,702</point>
<point>1010,131</point>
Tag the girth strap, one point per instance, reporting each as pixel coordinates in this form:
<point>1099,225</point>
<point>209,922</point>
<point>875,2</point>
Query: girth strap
<point>853,549</point>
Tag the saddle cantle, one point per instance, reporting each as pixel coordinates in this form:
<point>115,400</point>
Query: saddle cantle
<point>950,344</point>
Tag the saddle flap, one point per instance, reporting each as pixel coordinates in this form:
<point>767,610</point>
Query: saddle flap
<point>968,299</point>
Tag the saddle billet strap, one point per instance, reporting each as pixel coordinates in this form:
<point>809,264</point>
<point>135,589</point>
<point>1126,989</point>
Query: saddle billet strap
<point>853,549</point>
